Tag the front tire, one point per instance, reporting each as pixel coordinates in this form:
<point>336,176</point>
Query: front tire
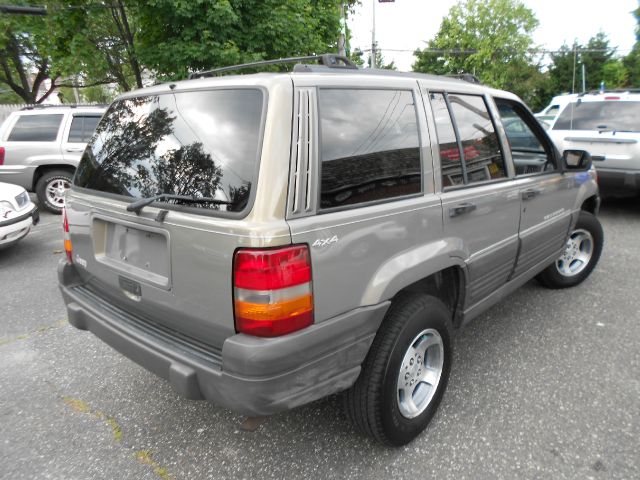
<point>405,373</point>
<point>580,257</point>
<point>51,187</point>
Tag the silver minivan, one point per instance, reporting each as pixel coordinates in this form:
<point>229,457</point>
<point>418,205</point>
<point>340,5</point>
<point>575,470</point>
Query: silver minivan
<point>265,240</point>
<point>40,147</point>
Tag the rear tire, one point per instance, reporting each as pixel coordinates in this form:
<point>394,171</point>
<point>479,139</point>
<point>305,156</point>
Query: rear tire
<point>405,373</point>
<point>51,187</point>
<point>583,250</point>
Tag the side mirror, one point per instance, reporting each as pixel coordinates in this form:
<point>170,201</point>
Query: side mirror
<point>576,160</point>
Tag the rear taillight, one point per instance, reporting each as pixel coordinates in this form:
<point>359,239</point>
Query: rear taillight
<point>2,151</point>
<point>272,290</point>
<point>67,237</point>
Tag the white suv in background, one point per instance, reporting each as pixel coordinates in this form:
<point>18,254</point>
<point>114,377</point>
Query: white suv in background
<point>41,146</point>
<point>607,125</point>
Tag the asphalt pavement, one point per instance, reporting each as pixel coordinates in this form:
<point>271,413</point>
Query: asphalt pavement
<point>545,385</point>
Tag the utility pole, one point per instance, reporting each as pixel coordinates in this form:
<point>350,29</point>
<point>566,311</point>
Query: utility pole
<point>573,81</point>
<point>342,41</point>
<point>584,79</point>
<point>373,37</point>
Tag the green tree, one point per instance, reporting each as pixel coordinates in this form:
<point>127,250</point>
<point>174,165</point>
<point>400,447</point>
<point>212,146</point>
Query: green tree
<point>632,60</point>
<point>177,37</point>
<point>491,39</point>
<point>25,55</point>
<point>602,64</point>
<point>561,69</point>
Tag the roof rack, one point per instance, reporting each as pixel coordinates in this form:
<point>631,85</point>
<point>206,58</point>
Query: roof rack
<point>328,60</point>
<point>64,105</point>
<point>467,77</point>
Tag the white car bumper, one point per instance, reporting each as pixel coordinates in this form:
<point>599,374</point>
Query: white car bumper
<point>13,229</point>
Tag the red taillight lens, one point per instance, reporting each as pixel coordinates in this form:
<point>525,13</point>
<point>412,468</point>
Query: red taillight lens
<point>271,269</point>
<point>2,151</point>
<point>67,236</point>
<point>272,290</point>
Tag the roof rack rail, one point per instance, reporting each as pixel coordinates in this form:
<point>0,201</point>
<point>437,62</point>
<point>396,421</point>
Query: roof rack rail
<point>328,60</point>
<point>467,77</point>
<point>65,105</point>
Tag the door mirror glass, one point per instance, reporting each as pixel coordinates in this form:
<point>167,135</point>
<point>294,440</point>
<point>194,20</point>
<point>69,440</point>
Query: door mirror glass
<point>576,160</point>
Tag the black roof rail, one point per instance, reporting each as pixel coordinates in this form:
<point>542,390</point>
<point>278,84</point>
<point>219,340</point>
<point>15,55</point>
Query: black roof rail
<point>64,105</point>
<point>467,77</point>
<point>328,60</point>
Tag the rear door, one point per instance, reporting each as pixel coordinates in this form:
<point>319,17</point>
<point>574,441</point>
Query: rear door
<point>78,130</point>
<point>481,207</point>
<point>546,194</point>
<point>361,192</point>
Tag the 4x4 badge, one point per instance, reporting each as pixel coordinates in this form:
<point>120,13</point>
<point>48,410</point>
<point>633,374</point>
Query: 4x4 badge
<point>323,242</point>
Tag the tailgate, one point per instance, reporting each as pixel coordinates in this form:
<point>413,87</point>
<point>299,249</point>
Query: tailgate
<point>177,273</point>
<point>619,150</point>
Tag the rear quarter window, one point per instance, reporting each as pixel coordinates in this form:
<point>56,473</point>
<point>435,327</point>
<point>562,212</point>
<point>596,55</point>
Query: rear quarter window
<point>36,128</point>
<point>369,146</point>
<point>82,127</point>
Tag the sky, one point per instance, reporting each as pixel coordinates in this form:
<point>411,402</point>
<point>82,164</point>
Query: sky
<point>408,24</point>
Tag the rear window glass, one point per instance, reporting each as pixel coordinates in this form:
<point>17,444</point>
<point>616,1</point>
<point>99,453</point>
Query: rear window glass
<point>36,128</point>
<point>82,126</point>
<point>196,144</point>
<point>369,146</point>
<point>608,115</point>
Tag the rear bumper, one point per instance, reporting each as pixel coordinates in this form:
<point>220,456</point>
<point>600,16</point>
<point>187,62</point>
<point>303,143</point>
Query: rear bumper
<point>250,375</point>
<point>618,183</point>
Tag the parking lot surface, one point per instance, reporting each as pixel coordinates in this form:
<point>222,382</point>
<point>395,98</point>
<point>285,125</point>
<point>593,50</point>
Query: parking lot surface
<point>544,385</point>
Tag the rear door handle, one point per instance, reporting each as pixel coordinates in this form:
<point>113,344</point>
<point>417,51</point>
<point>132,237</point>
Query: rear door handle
<point>462,208</point>
<point>530,193</point>
<point>80,149</point>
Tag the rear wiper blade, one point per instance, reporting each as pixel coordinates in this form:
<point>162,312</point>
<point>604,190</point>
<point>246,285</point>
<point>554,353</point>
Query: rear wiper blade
<point>143,202</point>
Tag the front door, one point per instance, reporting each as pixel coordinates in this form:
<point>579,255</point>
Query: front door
<point>545,192</point>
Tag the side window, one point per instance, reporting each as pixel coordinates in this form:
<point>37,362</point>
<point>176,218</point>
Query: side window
<point>450,163</point>
<point>369,146</point>
<point>530,152</point>
<point>469,147</point>
<point>480,147</point>
<point>82,127</point>
<point>36,128</point>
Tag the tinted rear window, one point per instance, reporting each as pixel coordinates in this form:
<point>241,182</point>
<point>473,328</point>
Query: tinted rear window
<point>82,126</point>
<point>607,115</point>
<point>36,128</point>
<point>202,143</point>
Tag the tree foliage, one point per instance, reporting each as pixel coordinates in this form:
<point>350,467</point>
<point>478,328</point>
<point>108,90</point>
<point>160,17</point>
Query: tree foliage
<point>491,39</point>
<point>177,37</point>
<point>86,43</point>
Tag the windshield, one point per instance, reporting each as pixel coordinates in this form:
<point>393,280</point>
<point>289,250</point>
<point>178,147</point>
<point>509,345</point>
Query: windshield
<point>608,115</point>
<point>199,143</point>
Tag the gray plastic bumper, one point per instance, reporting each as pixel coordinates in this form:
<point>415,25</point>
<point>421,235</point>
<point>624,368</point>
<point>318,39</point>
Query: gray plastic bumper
<point>255,376</point>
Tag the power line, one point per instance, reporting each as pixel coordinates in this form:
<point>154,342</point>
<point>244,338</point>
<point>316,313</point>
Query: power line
<point>470,51</point>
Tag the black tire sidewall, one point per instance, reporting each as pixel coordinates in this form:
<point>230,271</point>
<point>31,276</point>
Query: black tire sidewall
<point>552,278</point>
<point>398,429</point>
<point>41,188</point>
